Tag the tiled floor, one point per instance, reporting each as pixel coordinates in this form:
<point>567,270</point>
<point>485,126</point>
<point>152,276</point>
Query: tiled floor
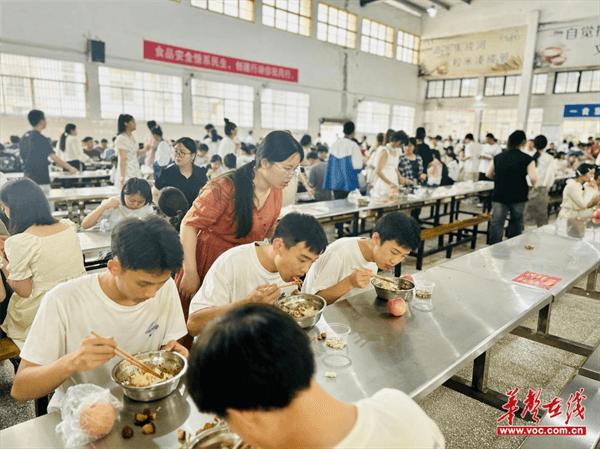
<point>466,423</point>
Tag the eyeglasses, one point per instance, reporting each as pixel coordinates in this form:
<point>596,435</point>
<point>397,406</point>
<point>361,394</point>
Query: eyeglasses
<point>182,153</point>
<point>290,170</point>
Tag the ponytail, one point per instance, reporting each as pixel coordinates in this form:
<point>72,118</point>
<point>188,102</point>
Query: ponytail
<point>122,122</point>
<point>229,127</point>
<point>62,144</point>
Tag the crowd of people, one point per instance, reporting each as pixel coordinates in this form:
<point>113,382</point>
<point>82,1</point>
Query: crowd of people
<point>212,268</point>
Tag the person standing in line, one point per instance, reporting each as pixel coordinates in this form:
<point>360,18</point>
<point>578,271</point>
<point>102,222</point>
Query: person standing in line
<point>71,147</point>
<point>472,153</point>
<point>35,149</point>
<point>345,160</point>
<point>387,176</point>
<point>127,150</point>
<point>537,206</point>
<point>316,176</point>
<point>488,152</point>
<point>422,149</point>
<point>228,144</point>
<point>510,170</point>
<point>162,152</point>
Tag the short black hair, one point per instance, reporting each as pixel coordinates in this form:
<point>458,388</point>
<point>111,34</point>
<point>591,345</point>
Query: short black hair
<point>540,142</point>
<point>295,228</point>
<point>27,203</point>
<point>305,140</point>
<point>516,139</point>
<point>312,155</point>
<point>230,160</point>
<point>202,147</point>
<point>469,136</point>
<point>15,139</point>
<point>87,139</point>
<point>263,343</point>
<point>35,116</point>
<point>139,186</point>
<point>148,244</point>
<point>216,158</point>
<point>209,126</point>
<point>584,169</point>
<point>420,133</point>
<point>490,136</point>
<point>322,149</point>
<point>104,141</point>
<point>349,128</point>
<point>399,136</point>
<point>399,227</point>
<point>189,143</point>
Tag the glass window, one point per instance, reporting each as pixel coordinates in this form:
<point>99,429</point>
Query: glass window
<point>435,89</point>
<point>500,122</point>
<point>212,102</point>
<point>288,15</point>
<point>468,87</point>
<point>403,117</point>
<point>590,81</point>
<point>336,26</point>
<point>242,9</point>
<point>451,88</point>
<point>566,82</point>
<point>372,117</point>
<point>534,122</point>
<point>540,80</point>
<point>55,87</point>
<point>512,85</point>
<point>377,38</point>
<point>280,109</point>
<point>494,85</point>
<point>144,95</point>
<point>407,47</point>
<point>450,122</point>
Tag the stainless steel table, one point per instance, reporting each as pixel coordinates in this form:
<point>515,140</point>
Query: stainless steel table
<point>82,194</point>
<point>95,246</point>
<point>82,175</point>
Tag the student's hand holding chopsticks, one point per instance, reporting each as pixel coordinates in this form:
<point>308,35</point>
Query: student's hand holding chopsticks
<point>360,277</point>
<point>93,352</point>
<point>264,294</point>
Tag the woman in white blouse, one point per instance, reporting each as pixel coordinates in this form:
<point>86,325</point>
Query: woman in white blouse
<point>581,194</point>
<point>71,147</point>
<point>228,144</point>
<point>40,253</point>
<point>127,151</point>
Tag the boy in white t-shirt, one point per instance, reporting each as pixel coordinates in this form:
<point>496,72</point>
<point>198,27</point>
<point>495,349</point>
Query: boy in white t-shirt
<point>252,273</point>
<point>349,263</point>
<point>134,304</point>
<point>279,404</point>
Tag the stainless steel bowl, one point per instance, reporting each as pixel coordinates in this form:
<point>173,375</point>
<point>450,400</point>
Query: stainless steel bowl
<point>303,298</point>
<point>217,438</point>
<point>405,289</point>
<point>166,360</point>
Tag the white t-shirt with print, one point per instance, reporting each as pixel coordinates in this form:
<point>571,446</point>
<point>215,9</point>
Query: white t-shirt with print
<point>338,261</point>
<point>391,420</point>
<point>233,276</point>
<point>70,311</point>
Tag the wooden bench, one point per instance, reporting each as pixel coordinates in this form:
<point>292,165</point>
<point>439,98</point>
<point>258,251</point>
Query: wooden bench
<point>592,423</point>
<point>10,351</point>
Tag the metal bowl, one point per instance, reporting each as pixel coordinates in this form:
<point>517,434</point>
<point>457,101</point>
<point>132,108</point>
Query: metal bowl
<point>291,302</point>
<point>218,437</point>
<point>405,289</point>
<point>169,361</point>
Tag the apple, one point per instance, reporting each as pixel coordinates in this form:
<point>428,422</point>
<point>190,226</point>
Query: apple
<point>396,307</point>
<point>408,277</point>
<point>596,214</point>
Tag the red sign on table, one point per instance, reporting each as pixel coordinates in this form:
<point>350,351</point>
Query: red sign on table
<point>185,56</point>
<point>537,280</point>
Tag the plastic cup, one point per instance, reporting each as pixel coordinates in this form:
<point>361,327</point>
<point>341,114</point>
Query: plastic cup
<point>422,299</point>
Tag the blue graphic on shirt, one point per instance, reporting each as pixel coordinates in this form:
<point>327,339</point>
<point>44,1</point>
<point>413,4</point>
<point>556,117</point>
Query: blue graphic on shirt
<point>152,328</point>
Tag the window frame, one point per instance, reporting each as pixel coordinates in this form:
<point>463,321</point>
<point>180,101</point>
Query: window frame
<point>392,43</point>
<point>253,20</point>
<point>327,25</point>
<point>240,121</point>
<point>262,112</point>
<point>414,50</point>
<point>300,16</point>
<point>578,90</point>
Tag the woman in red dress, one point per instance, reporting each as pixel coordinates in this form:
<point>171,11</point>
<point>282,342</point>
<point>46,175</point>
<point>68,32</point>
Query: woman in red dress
<point>239,207</point>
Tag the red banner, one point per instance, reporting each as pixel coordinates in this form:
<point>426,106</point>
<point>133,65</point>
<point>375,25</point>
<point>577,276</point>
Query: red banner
<point>537,280</point>
<point>185,56</point>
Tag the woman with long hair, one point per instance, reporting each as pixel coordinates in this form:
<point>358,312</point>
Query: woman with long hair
<point>228,144</point>
<point>239,207</point>
<point>70,145</point>
<point>40,253</point>
<point>127,150</point>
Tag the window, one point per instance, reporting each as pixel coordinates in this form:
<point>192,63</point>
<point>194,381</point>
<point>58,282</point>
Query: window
<point>144,95</point>
<point>435,89</point>
<point>403,117</point>
<point>280,109</point>
<point>372,117</point>
<point>494,85</point>
<point>534,122</point>
<point>377,38</point>
<point>288,15</point>
<point>512,86</point>
<point>566,82</point>
<point>336,26</point>
<point>540,80</point>
<point>449,122</point>
<point>590,81</point>
<point>500,122</point>
<point>212,102</point>
<point>407,48</point>
<point>55,87</point>
<point>580,129</point>
<point>451,88</point>
<point>468,87</point>
<point>242,9</point>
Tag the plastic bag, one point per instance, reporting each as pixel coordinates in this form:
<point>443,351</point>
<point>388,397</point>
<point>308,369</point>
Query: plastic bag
<point>354,196</point>
<point>88,414</point>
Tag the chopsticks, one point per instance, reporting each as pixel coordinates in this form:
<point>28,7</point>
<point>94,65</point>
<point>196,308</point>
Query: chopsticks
<point>131,359</point>
<point>383,278</point>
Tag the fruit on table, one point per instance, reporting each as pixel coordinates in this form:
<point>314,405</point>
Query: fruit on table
<point>396,307</point>
<point>97,419</point>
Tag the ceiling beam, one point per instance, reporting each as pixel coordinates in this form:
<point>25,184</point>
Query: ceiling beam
<point>468,2</point>
<point>440,4</point>
<point>366,2</point>
<point>413,6</point>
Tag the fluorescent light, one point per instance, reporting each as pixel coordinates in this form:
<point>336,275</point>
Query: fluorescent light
<point>432,11</point>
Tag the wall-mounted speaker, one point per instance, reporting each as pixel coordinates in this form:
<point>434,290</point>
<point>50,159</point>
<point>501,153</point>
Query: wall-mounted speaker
<point>96,50</point>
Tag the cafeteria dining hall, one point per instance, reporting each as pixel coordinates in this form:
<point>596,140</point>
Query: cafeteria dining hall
<point>299,224</point>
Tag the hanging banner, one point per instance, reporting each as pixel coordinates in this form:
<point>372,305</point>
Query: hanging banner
<point>194,58</point>
<point>569,44</point>
<point>493,52</point>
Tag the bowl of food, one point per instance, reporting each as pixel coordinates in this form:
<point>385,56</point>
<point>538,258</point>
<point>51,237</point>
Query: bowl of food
<point>218,437</point>
<point>304,308</point>
<point>393,288</point>
<point>142,386</point>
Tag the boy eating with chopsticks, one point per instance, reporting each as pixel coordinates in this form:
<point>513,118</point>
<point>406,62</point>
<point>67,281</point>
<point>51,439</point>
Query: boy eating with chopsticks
<point>257,273</point>
<point>349,263</point>
<point>134,304</point>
